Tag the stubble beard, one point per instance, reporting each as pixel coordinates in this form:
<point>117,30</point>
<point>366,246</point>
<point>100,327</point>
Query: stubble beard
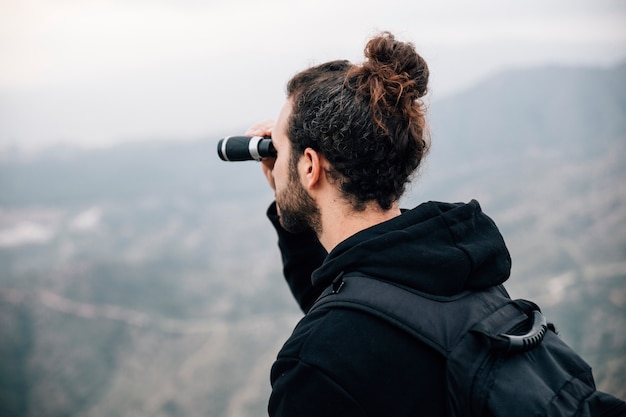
<point>298,210</point>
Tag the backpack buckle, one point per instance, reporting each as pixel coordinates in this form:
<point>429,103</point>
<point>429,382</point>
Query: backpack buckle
<point>337,283</point>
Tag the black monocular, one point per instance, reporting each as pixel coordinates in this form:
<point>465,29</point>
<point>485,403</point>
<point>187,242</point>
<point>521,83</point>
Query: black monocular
<point>245,148</point>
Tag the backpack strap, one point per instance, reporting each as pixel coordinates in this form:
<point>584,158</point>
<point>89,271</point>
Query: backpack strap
<point>381,299</point>
<point>438,321</point>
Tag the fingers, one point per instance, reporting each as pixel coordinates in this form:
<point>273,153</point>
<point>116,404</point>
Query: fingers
<point>263,128</point>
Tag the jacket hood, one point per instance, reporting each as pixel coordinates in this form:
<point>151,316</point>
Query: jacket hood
<point>438,248</point>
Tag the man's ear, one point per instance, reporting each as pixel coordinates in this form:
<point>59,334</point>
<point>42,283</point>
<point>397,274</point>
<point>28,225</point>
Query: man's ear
<point>311,168</point>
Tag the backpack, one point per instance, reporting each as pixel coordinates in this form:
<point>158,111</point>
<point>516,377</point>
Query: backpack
<point>502,357</point>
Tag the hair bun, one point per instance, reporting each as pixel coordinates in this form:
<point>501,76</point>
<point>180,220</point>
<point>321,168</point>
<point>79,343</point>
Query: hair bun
<point>389,58</point>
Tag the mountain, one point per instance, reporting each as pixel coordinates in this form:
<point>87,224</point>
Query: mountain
<point>574,111</point>
<point>144,279</point>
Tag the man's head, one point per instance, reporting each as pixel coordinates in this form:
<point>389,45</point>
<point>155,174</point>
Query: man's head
<point>367,120</point>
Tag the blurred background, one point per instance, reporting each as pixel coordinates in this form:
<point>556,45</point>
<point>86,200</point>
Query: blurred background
<point>138,274</point>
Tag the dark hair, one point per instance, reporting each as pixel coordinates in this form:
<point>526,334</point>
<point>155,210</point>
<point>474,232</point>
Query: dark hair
<point>367,120</point>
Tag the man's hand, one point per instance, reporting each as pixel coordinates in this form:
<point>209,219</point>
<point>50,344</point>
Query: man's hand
<point>265,128</point>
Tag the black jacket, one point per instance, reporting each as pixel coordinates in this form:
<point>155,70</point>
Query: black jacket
<point>347,363</point>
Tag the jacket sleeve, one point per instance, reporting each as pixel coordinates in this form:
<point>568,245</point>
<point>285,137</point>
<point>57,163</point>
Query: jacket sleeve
<point>302,253</point>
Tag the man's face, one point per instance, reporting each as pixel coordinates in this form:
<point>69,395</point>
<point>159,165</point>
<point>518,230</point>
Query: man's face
<point>297,209</point>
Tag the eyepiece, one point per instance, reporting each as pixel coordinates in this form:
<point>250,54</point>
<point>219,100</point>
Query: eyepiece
<point>245,148</point>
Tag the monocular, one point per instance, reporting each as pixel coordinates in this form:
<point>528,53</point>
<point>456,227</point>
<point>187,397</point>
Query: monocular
<point>245,148</point>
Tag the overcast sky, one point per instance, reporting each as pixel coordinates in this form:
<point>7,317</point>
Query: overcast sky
<point>96,72</point>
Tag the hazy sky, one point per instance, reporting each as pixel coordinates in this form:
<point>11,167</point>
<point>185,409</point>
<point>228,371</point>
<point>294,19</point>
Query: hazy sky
<point>95,72</point>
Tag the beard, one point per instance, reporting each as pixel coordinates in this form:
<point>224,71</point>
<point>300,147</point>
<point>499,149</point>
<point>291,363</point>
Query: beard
<point>298,211</point>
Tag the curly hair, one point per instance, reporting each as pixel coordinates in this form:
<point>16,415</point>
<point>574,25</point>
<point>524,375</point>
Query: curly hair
<point>367,120</point>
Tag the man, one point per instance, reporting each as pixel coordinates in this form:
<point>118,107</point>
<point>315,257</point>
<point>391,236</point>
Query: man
<point>348,139</point>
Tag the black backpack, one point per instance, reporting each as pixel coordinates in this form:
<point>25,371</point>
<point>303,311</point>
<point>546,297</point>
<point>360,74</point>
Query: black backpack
<point>502,357</point>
